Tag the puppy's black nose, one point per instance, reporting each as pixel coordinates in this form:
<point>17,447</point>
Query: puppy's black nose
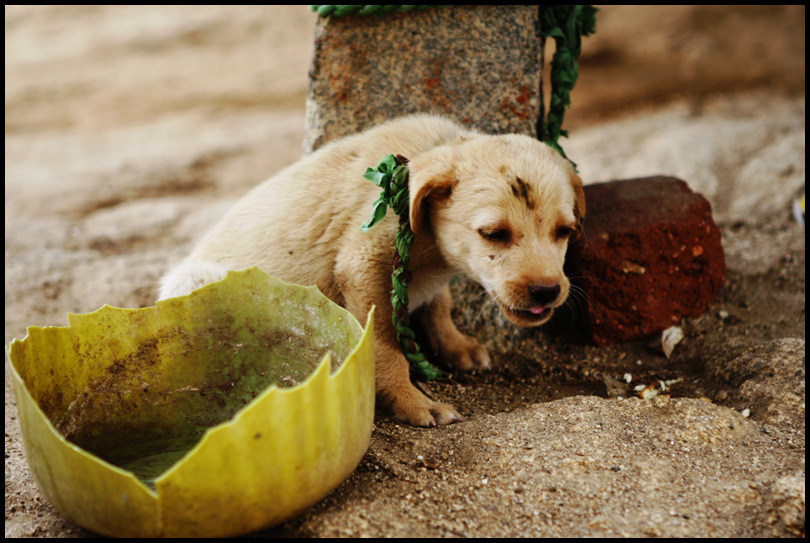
<point>543,295</point>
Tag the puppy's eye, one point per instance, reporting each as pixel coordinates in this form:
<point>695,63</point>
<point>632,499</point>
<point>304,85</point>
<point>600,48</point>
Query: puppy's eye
<point>563,232</point>
<point>498,235</point>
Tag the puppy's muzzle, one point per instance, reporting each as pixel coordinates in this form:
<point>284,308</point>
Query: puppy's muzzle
<point>538,303</point>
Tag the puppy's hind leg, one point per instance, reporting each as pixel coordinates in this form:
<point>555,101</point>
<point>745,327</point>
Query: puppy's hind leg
<point>189,275</point>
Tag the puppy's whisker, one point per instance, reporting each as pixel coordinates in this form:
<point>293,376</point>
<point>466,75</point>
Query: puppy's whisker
<point>489,302</point>
<point>578,303</point>
<point>594,279</point>
<point>479,295</point>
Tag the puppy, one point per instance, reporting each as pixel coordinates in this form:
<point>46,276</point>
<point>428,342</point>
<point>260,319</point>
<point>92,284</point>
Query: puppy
<point>500,209</point>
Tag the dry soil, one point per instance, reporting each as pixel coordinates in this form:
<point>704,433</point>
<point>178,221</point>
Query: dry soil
<point>129,129</point>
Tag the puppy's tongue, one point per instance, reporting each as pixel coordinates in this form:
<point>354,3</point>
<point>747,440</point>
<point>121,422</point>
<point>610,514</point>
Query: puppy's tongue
<point>537,310</point>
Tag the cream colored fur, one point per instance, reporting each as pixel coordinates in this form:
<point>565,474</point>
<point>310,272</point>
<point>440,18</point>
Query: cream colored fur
<point>466,189</point>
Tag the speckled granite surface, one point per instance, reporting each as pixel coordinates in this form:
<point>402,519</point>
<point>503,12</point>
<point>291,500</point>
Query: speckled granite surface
<point>481,65</point>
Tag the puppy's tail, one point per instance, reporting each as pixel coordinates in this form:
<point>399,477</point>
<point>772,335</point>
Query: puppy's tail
<point>189,275</point>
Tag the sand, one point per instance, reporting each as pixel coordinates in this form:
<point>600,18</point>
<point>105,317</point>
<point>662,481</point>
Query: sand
<point>130,129</point>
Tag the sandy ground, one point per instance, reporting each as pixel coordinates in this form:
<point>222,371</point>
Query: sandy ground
<point>129,129</point>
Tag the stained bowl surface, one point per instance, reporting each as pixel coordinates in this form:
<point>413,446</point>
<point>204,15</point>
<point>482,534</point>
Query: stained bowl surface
<point>214,414</point>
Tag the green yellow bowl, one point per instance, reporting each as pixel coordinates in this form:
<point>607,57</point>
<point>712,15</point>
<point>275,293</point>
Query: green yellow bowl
<point>213,414</point>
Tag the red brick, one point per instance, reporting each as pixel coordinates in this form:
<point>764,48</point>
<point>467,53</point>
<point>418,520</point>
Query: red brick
<point>651,255</point>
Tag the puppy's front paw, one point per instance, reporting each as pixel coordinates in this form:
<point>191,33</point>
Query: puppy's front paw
<point>465,353</point>
<point>417,409</point>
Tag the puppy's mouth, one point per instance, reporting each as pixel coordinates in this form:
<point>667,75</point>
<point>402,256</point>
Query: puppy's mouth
<point>532,316</point>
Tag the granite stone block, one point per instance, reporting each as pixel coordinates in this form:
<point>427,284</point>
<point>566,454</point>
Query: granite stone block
<point>479,65</point>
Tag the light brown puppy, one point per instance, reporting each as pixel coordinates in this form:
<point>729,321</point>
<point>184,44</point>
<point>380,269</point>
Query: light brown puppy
<point>500,209</point>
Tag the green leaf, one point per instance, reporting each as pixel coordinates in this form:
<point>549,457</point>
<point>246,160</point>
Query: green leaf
<point>375,177</point>
<point>377,214</point>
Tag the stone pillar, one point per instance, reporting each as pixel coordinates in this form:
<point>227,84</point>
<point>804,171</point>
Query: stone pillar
<point>480,65</point>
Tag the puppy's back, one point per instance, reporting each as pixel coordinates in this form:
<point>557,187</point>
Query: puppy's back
<point>294,224</point>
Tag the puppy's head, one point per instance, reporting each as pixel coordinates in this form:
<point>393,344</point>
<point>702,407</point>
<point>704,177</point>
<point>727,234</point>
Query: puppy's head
<point>502,209</point>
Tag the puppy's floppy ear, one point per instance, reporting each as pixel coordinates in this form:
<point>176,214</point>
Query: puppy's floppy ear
<point>429,182</point>
<point>579,203</point>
